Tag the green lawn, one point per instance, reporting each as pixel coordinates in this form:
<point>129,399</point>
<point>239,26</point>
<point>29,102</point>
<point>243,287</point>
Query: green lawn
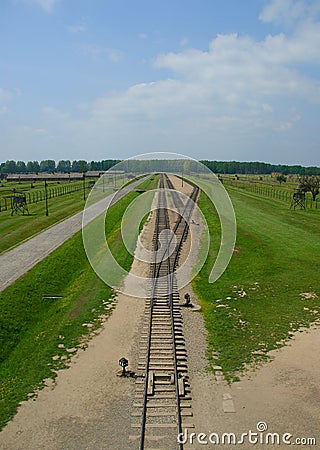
<point>257,303</point>
<point>32,327</point>
<point>15,229</point>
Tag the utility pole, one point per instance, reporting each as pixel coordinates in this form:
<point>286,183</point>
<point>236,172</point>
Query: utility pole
<point>84,186</point>
<point>46,196</point>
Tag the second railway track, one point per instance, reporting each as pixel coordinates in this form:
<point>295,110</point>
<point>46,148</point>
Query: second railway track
<point>162,405</point>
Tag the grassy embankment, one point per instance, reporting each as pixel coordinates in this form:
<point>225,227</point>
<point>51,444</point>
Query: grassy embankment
<point>256,304</point>
<point>31,327</point>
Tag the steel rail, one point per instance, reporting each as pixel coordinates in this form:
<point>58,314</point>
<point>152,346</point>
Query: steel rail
<point>171,266</point>
<point>156,270</point>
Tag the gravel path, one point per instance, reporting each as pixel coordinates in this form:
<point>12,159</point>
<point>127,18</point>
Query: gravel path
<point>16,262</point>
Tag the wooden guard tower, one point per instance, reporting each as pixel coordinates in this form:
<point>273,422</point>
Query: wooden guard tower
<point>19,204</point>
<point>298,199</point>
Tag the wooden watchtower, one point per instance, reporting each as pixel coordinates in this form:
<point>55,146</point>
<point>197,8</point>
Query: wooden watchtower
<point>298,199</point>
<point>19,204</point>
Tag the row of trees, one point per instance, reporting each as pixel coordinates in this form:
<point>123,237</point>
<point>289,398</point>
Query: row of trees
<point>49,165</point>
<point>253,168</point>
<point>221,167</point>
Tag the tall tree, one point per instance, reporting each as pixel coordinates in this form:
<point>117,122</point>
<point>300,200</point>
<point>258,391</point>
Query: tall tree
<point>281,179</point>
<point>10,167</point>
<point>310,184</point>
<point>79,166</point>
<point>48,165</point>
<point>21,167</point>
<point>33,166</point>
<point>64,165</point>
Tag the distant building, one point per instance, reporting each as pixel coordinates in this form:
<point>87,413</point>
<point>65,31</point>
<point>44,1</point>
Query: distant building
<point>276,174</point>
<point>58,176</point>
<point>43,176</point>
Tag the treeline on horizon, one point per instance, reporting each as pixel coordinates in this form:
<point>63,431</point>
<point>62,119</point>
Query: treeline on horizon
<point>219,167</point>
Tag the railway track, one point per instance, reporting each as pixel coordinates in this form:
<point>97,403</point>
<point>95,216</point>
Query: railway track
<point>162,405</point>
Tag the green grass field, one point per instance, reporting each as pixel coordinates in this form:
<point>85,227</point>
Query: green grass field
<point>15,229</point>
<point>256,303</point>
<point>268,186</point>
<point>32,327</point>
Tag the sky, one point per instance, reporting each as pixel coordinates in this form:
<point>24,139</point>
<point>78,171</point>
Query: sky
<point>210,79</point>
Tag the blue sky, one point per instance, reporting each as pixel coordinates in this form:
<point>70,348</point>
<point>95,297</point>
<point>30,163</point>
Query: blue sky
<point>211,79</point>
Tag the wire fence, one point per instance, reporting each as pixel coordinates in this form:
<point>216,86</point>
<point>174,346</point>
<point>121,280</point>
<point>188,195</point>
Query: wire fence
<point>278,194</point>
<point>39,195</point>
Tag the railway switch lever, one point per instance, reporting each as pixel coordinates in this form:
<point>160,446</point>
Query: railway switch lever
<point>123,362</point>
<point>187,298</point>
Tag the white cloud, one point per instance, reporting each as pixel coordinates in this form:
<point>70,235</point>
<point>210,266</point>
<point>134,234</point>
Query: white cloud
<point>99,53</point>
<point>46,5</point>
<point>284,11</point>
<point>40,132</point>
<point>236,69</point>
<point>4,109</point>
<point>8,95</point>
<point>289,12</point>
<point>80,27</point>
<point>29,131</point>
<point>284,126</point>
<point>267,107</point>
<point>184,42</point>
<point>55,113</point>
